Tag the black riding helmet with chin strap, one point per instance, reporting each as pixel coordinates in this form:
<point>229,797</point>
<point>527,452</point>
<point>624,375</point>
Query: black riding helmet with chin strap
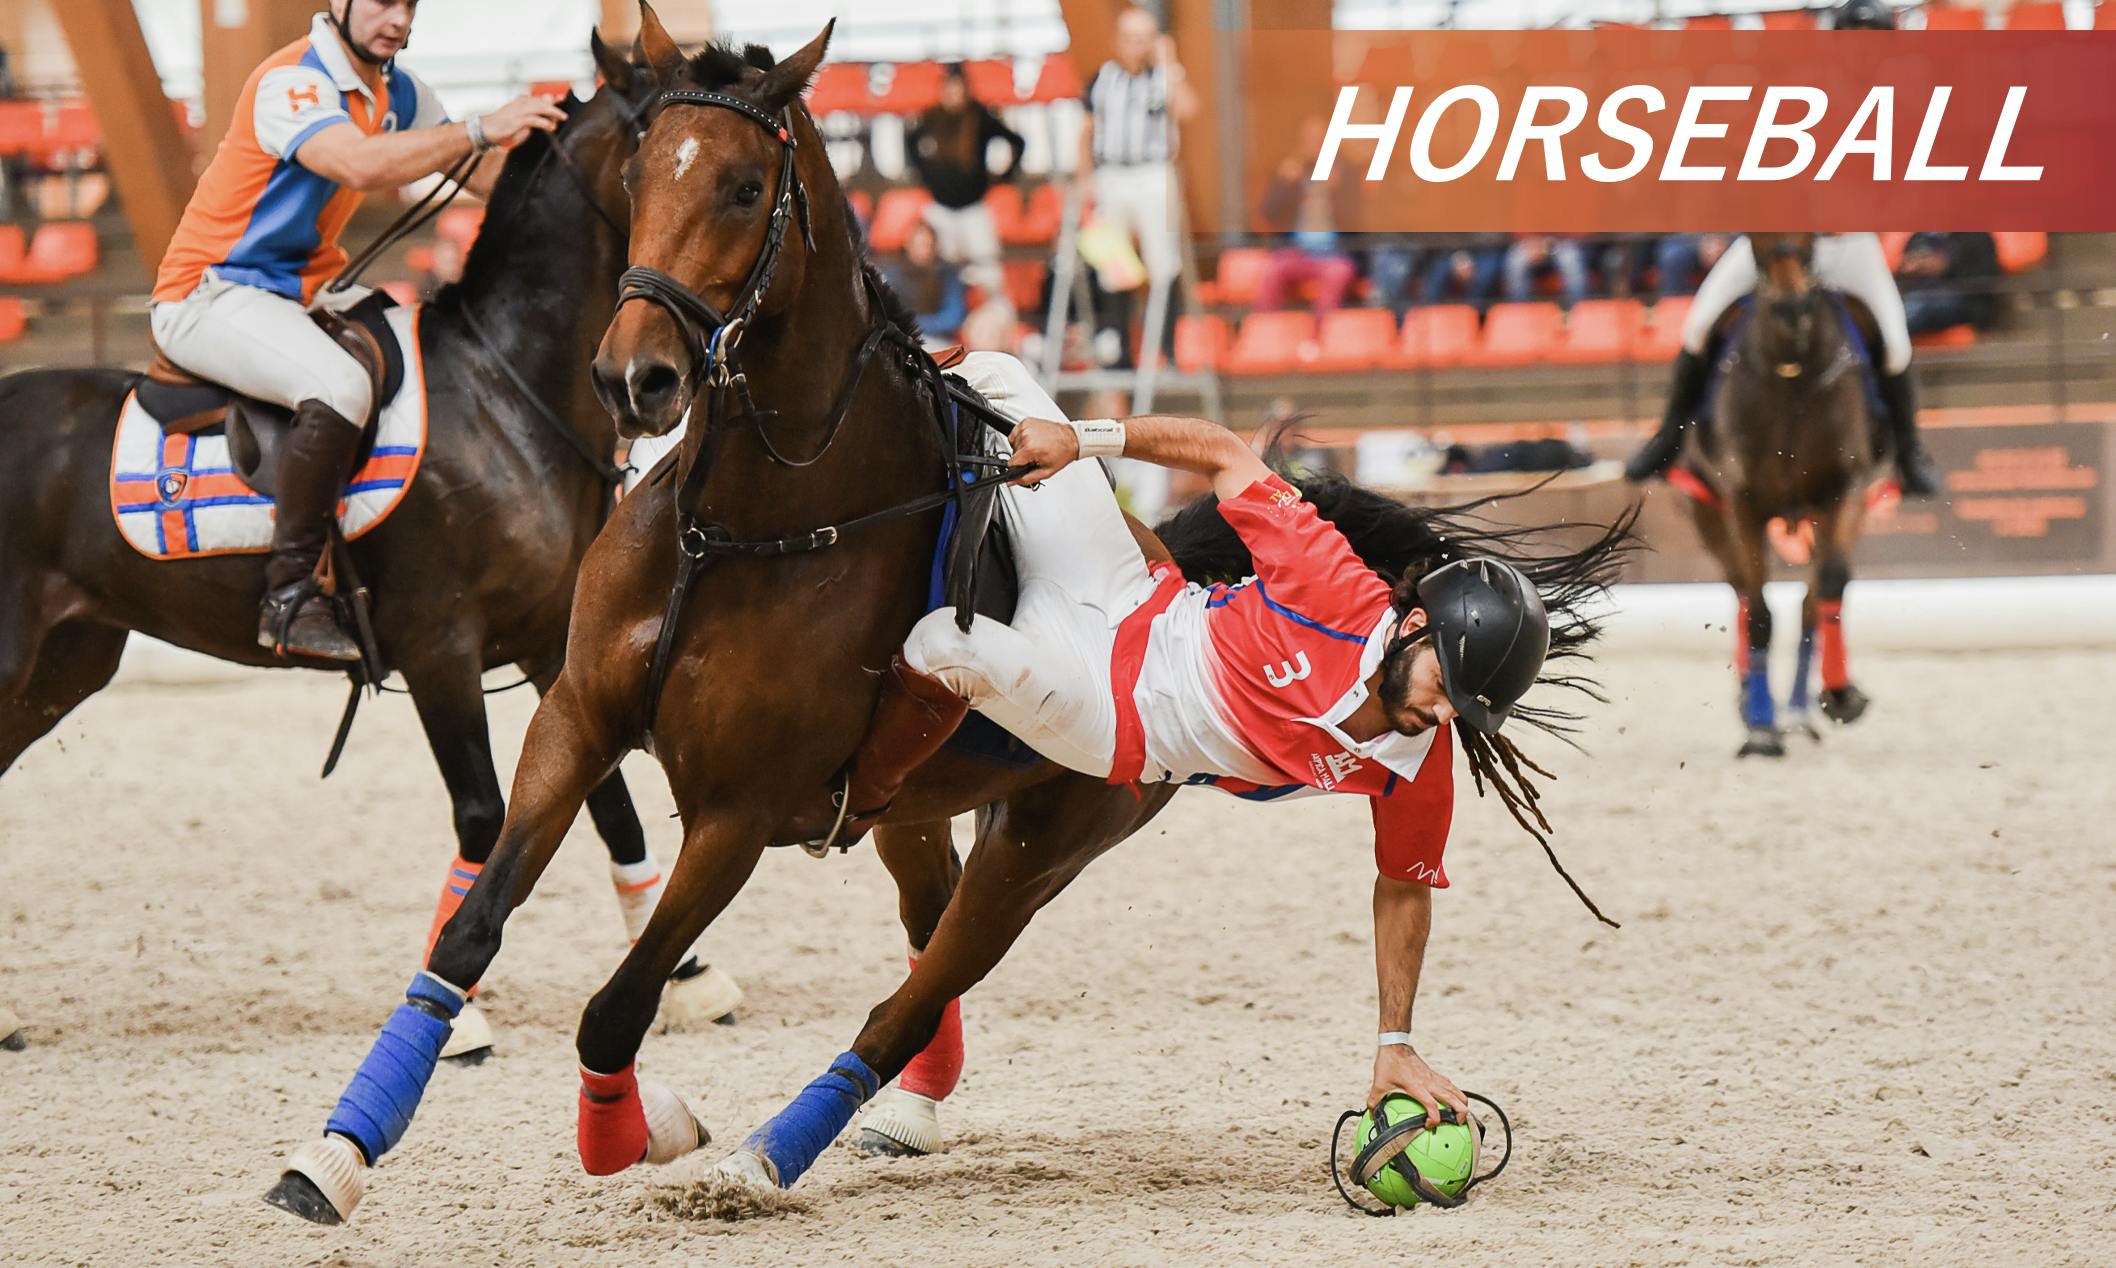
<point>345,33</point>
<point>1491,631</point>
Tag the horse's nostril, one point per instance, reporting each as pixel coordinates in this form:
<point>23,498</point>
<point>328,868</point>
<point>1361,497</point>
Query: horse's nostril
<point>655,385</point>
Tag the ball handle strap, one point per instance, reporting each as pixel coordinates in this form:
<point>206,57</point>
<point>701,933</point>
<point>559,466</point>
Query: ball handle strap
<point>1337,1173</point>
<point>1387,1147</point>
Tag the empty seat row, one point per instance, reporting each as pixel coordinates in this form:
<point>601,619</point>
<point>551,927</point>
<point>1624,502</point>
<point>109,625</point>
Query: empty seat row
<point>2018,251</point>
<point>1030,219</point>
<point>906,88</point>
<point>1436,337</point>
<point>2038,15</point>
<point>60,250</point>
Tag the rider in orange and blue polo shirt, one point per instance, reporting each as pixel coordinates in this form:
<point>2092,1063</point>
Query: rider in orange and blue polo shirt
<point>319,124</point>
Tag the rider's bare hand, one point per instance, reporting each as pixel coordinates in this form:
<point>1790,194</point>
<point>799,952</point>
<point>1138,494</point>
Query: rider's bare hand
<point>511,124</point>
<point>1398,1069</point>
<point>1043,446</point>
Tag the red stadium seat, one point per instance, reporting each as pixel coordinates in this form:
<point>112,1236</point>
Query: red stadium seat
<point>992,81</point>
<point>2105,16</point>
<point>1709,22</point>
<point>1042,215</point>
<point>893,217</point>
<point>1963,336</point>
<point>21,127</point>
<point>14,247</point>
<point>1662,336</point>
<point>1947,17</point>
<point>460,225</point>
<point>1025,282</point>
<point>1598,331</point>
<point>1517,334</point>
<point>14,319</point>
<point>1240,270</point>
<point>913,86</point>
<point>62,249</point>
<point>2040,16</point>
<point>839,86</point>
<point>1270,343</point>
<point>862,205</point>
<point>1435,336</point>
<point>1354,339</point>
<point>2020,251</point>
<point>73,133</point>
<point>1057,81</point>
<point>1201,343</point>
<point>1790,20</point>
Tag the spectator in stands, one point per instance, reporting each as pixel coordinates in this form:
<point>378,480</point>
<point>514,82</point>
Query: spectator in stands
<point>1946,279</point>
<point>1682,260</point>
<point>1391,268</point>
<point>1136,104</point>
<point>929,284</point>
<point>1309,213</point>
<point>1465,273</point>
<point>1534,257</point>
<point>949,145</point>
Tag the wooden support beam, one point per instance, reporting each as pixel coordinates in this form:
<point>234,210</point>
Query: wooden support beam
<point>144,148</point>
<point>237,36</point>
<point>1091,26</point>
<point>689,22</point>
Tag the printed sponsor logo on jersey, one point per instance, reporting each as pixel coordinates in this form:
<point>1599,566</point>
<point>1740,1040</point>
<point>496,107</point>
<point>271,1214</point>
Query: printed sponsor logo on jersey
<point>1332,769</point>
<point>299,97</point>
<point>1285,675</point>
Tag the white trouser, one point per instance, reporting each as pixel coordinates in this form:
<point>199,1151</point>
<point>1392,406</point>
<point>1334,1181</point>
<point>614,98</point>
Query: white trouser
<point>969,238</point>
<point>1139,197</point>
<point>1849,262</point>
<point>263,345</point>
<point>1046,677</point>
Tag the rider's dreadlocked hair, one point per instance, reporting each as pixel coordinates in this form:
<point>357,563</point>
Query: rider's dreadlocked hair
<point>1403,543</point>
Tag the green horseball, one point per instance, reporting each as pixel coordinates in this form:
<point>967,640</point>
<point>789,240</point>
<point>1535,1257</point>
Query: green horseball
<point>1444,1155</point>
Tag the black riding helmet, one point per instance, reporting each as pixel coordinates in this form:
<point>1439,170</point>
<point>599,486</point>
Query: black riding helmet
<point>1490,629</point>
<point>1864,15</point>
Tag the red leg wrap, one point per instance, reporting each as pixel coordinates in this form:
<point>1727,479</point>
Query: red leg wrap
<point>1829,625</point>
<point>613,1122</point>
<point>460,877</point>
<point>1741,639</point>
<point>935,1071</point>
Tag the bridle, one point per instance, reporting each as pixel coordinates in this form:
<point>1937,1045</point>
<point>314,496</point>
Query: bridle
<point>713,340</point>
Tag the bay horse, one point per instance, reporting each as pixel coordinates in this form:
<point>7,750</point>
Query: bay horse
<point>806,496</point>
<point>474,570</point>
<point>1791,437</point>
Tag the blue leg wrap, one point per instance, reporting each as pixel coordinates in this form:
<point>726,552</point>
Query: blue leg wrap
<point>378,1104</point>
<point>797,1135</point>
<point>1803,670</point>
<point>1757,709</point>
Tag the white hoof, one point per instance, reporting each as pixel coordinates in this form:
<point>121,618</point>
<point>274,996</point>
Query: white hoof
<point>334,1165</point>
<point>10,1030</point>
<point>899,1122</point>
<point>697,1002</point>
<point>745,1167</point>
<point>471,1035</point>
<point>672,1131</point>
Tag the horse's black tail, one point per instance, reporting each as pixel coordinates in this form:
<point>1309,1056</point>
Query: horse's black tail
<point>1572,565</point>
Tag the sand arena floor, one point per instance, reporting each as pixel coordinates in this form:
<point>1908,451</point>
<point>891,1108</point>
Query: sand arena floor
<point>1860,1010</point>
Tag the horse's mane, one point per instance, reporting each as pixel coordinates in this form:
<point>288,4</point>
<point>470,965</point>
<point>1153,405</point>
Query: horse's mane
<point>485,266</point>
<point>1403,543</point>
<point>721,67</point>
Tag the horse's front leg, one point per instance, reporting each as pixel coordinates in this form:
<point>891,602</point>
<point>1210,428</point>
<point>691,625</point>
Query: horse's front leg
<point>569,749</point>
<point>1750,567</point>
<point>625,1119</point>
<point>1836,532</point>
<point>905,1119</point>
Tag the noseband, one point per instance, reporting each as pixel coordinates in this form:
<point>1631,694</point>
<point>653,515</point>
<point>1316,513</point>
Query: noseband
<point>709,335</point>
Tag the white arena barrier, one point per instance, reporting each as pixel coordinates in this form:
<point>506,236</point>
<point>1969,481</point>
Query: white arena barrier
<point>1939,615</point>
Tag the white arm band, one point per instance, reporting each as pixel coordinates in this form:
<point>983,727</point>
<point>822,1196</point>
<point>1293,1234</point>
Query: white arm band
<point>1389,1038</point>
<point>1099,437</point>
<point>475,126</point>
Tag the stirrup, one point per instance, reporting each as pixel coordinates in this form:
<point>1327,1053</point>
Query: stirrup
<point>843,796</point>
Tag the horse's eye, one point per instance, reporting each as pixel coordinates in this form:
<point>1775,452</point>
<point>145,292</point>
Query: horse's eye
<point>748,195</point>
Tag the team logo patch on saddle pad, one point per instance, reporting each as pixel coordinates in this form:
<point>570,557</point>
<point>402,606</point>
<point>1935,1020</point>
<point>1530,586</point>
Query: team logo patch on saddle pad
<point>178,497</point>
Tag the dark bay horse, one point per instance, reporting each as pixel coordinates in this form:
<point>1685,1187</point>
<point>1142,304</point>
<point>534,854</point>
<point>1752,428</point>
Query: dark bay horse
<point>474,570</point>
<point>1792,438</point>
<point>760,290</point>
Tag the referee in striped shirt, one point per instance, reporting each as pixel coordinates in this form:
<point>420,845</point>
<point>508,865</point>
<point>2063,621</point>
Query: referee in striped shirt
<point>1127,144</point>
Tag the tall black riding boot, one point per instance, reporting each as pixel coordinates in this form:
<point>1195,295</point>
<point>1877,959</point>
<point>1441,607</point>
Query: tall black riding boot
<point>1686,395</point>
<point>295,618</point>
<point>1919,474</point>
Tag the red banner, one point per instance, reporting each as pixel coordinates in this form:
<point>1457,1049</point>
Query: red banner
<point>1624,130</point>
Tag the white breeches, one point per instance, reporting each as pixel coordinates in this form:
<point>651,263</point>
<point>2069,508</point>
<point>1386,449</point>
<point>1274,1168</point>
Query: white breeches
<point>968,238</point>
<point>1849,262</point>
<point>263,345</point>
<point>1140,198</point>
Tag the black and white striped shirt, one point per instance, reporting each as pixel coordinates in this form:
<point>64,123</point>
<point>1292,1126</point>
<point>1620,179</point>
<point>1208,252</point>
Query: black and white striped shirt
<point>1131,115</point>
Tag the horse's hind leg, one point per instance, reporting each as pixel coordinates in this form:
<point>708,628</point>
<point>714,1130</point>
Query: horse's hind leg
<point>1739,550</point>
<point>567,752</point>
<point>1029,849</point>
<point>39,685</point>
<point>697,993</point>
<point>905,1118</point>
<point>623,1119</point>
<point>1836,532</point>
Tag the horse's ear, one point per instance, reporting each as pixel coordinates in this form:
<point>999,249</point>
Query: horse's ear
<point>789,79</point>
<point>614,67</point>
<point>656,48</point>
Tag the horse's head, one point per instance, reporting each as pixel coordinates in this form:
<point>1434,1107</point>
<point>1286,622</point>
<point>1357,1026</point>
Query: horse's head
<point>1788,299</point>
<point>720,220</point>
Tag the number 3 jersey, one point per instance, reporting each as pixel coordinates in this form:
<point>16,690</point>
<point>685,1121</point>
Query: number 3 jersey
<point>1246,687</point>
